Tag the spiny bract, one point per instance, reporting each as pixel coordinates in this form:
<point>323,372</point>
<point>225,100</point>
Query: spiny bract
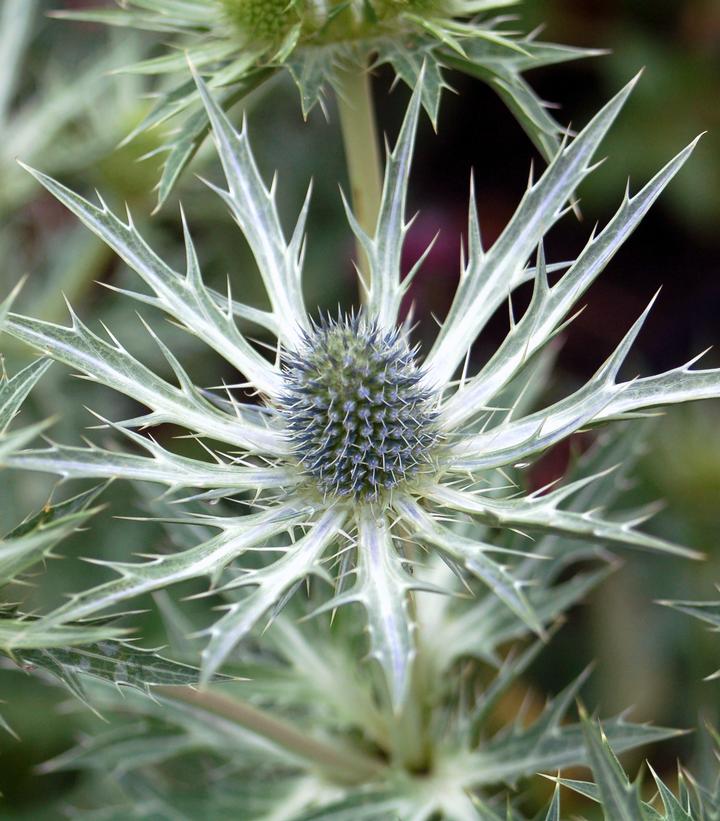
<point>360,422</point>
<point>370,545</point>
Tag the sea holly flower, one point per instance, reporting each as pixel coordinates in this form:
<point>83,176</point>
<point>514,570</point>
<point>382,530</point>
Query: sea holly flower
<point>363,452</point>
<point>237,45</point>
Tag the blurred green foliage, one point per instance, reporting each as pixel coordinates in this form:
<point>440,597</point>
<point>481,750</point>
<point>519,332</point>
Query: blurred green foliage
<point>678,44</point>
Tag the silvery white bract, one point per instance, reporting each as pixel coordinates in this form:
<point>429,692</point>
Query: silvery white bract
<point>33,540</point>
<point>392,452</point>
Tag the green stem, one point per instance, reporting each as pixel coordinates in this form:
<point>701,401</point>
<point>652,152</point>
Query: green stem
<point>411,748</point>
<point>362,152</point>
<point>344,764</point>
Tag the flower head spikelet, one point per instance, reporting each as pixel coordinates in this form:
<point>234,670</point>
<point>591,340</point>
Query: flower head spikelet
<point>331,21</point>
<point>359,419</point>
<point>261,20</point>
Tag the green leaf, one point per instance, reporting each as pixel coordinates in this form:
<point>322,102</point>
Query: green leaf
<point>8,729</point>
<point>116,662</point>
<point>488,624</point>
<point>483,284</point>
<point>419,66</point>
<point>14,391</point>
<point>381,587</point>
<point>318,670</point>
<point>518,440</point>
<point>512,668</point>
<point>210,558</point>
<point>403,798</point>
<point>681,384</point>
<point>34,539</point>
<point>534,54</point>
<point>128,19</point>
<point>673,809</point>
<point>619,798</point>
<point>185,298</point>
<point>6,304</point>
<point>11,442</point>
<point>549,306</point>
<point>600,400</point>
<point>187,139</point>
<point>368,805</point>
<point>501,68</point>
<point>24,634</point>
<point>542,512</point>
<point>162,466</point>
<point>16,23</point>
<point>311,68</point>
<point>482,626</point>
<point>473,556</point>
<point>549,744</point>
<point>254,208</point>
<point>553,813</point>
<point>123,749</point>
<point>384,249</point>
<point>111,364</point>
<point>210,731</point>
<point>259,795</point>
<point>270,584</point>
<point>177,61</point>
<point>585,788</point>
<point>707,611</point>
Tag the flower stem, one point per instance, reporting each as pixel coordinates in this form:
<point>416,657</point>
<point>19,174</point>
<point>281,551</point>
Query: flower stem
<point>339,762</point>
<point>411,749</point>
<point>362,153</point>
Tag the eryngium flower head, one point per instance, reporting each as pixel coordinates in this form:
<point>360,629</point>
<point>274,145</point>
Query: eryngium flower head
<point>466,435</point>
<point>358,417</point>
<point>337,21</point>
<point>265,20</point>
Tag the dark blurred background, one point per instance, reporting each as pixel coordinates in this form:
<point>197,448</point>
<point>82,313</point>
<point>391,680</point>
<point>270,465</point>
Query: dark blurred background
<point>647,656</point>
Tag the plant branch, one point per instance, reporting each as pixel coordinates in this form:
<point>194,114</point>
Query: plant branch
<point>362,153</point>
<point>345,764</point>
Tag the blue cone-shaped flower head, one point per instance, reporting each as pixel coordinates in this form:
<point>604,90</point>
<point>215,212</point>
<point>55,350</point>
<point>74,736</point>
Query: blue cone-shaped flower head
<point>359,419</point>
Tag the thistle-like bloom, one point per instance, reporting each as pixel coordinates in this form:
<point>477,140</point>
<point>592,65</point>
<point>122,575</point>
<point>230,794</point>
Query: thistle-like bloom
<point>232,39</point>
<point>359,418</point>
<point>238,45</point>
<point>363,452</point>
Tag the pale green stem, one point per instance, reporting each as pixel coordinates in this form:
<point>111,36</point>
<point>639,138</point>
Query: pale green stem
<point>411,747</point>
<point>339,762</point>
<point>409,743</point>
<point>362,153</point>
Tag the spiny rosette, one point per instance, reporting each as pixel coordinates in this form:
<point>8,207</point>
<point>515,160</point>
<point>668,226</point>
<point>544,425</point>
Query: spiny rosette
<point>350,419</point>
<point>237,45</point>
<point>359,419</point>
